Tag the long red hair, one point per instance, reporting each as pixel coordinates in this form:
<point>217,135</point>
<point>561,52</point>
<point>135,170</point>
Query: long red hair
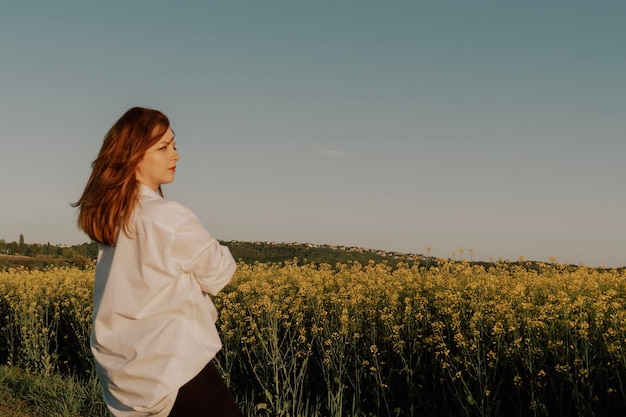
<point>112,190</point>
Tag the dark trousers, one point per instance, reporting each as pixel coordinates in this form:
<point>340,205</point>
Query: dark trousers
<point>206,395</point>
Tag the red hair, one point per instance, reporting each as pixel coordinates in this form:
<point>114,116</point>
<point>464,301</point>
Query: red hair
<point>112,190</point>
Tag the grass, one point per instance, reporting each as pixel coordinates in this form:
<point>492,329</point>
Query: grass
<point>10,406</point>
<point>26,395</point>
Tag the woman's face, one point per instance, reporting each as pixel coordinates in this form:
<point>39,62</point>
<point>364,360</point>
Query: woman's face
<point>158,165</point>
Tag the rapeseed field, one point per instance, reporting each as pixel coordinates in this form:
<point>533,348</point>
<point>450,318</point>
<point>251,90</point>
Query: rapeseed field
<point>452,338</point>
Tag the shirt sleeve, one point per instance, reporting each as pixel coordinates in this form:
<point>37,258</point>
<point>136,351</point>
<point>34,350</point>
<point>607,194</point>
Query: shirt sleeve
<point>196,252</point>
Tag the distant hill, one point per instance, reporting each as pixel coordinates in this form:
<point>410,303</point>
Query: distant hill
<point>39,256</point>
<point>272,252</point>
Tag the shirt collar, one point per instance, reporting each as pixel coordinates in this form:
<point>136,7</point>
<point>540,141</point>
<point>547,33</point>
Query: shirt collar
<point>147,192</point>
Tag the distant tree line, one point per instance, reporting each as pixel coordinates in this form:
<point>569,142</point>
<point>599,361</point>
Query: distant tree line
<point>38,255</point>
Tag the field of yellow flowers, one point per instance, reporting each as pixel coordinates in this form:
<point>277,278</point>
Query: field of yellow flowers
<point>447,339</point>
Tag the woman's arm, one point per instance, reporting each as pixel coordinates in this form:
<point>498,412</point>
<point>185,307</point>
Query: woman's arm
<point>196,252</point>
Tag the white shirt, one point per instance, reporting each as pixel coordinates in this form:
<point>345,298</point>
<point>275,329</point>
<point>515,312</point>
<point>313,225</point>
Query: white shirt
<point>153,321</point>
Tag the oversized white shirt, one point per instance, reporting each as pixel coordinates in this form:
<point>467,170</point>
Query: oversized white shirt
<point>153,321</point>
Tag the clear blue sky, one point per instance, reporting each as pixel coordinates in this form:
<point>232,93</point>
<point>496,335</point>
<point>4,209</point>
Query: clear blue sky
<point>398,125</point>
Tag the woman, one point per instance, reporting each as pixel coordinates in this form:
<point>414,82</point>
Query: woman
<point>154,334</point>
